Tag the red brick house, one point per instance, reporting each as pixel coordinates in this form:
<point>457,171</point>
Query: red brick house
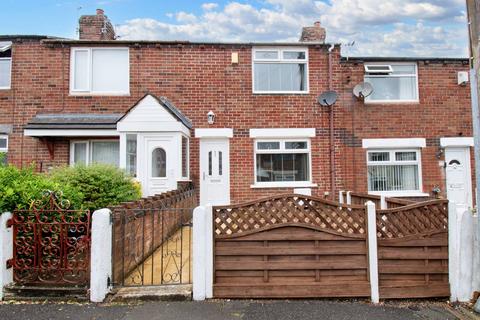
<point>242,120</point>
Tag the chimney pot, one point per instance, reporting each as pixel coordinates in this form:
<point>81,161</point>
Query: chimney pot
<point>317,24</point>
<point>100,12</point>
<point>315,33</point>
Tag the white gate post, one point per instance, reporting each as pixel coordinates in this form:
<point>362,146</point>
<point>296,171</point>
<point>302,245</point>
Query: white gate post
<point>6,252</point>
<point>101,255</point>
<point>453,256</point>
<point>467,238</point>
<point>372,251</point>
<point>202,253</point>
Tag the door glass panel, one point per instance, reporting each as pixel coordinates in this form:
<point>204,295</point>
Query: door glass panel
<point>159,163</point>
<point>132,154</point>
<point>210,163</point>
<point>220,169</point>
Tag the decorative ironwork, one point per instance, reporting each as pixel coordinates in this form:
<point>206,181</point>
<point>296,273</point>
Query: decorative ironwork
<point>288,209</point>
<point>51,243</point>
<point>421,218</point>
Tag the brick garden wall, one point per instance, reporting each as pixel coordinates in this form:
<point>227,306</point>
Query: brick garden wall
<point>199,78</point>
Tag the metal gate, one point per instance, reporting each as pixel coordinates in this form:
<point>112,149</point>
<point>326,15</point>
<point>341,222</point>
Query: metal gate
<point>51,244</point>
<point>152,246</point>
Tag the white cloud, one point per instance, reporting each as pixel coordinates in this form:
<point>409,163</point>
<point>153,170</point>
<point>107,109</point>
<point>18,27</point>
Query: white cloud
<point>389,27</point>
<point>209,6</point>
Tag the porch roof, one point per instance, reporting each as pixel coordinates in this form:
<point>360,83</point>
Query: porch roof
<point>74,121</point>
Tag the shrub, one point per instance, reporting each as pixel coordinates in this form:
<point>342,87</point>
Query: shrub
<point>3,159</point>
<point>19,188</point>
<point>98,185</point>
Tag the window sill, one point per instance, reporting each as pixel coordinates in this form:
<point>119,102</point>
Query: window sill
<point>413,102</point>
<point>283,185</point>
<point>399,194</point>
<point>5,88</point>
<point>303,93</point>
<point>99,94</point>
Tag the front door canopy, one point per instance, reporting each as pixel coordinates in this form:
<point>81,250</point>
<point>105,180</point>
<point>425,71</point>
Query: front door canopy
<point>154,114</point>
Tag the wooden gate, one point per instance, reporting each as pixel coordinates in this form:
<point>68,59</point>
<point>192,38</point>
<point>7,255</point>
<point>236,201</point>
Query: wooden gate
<point>290,246</point>
<point>413,250</point>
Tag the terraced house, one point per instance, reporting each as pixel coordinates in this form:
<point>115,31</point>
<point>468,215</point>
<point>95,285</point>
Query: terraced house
<point>241,120</point>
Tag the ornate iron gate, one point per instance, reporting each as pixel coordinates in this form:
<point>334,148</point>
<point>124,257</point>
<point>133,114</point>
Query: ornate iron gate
<point>51,244</point>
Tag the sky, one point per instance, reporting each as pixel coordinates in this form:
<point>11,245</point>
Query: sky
<point>426,28</point>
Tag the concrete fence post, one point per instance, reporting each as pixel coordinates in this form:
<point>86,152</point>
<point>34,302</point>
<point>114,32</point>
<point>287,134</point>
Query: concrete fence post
<point>466,247</point>
<point>453,256</point>
<point>383,203</point>
<point>101,255</point>
<point>372,251</point>
<point>349,197</point>
<point>340,196</point>
<point>202,253</point>
<point>6,252</point>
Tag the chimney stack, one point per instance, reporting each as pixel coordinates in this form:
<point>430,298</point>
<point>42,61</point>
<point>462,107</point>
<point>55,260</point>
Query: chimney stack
<point>96,27</point>
<point>313,34</point>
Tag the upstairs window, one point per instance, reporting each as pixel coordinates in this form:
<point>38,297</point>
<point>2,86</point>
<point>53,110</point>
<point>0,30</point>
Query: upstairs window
<point>394,171</point>
<point>280,70</point>
<point>5,65</point>
<point>395,82</point>
<point>100,71</point>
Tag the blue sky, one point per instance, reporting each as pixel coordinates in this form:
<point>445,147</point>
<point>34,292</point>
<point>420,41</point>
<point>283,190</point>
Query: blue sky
<point>386,27</point>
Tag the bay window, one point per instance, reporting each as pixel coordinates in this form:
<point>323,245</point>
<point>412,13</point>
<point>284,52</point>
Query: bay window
<point>100,71</point>
<point>282,162</point>
<point>280,70</point>
<point>94,151</point>
<point>393,82</point>
<point>394,171</point>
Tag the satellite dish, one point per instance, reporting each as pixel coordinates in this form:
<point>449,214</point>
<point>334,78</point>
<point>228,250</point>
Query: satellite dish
<point>363,90</point>
<point>328,98</point>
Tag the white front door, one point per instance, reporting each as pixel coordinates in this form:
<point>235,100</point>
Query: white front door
<point>214,171</point>
<point>458,175</point>
<point>160,175</point>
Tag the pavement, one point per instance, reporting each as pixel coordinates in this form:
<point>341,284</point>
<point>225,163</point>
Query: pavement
<point>234,310</point>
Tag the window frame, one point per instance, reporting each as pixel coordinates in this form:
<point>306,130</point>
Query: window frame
<point>4,136</point>
<point>283,150</point>
<point>187,177</point>
<point>89,91</point>
<point>281,60</point>
<point>392,161</point>
<point>10,76</point>
<point>383,75</point>
<point>88,149</point>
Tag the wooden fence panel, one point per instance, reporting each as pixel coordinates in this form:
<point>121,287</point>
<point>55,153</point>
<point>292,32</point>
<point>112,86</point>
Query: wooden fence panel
<point>413,250</point>
<point>290,247</point>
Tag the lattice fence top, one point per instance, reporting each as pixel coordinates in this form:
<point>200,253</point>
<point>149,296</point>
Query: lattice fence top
<point>288,210</point>
<point>422,218</point>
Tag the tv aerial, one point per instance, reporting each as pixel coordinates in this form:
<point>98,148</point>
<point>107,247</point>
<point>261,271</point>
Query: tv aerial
<point>363,90</point>
<point>328,98</point>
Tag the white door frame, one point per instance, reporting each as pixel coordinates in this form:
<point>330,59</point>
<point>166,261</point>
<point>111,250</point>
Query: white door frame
<point>207,137</point>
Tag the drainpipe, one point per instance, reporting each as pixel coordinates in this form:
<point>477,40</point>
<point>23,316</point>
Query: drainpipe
<point>332,138</point>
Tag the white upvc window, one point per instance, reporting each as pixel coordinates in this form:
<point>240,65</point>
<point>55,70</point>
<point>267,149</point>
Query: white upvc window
<point>102,71</point>
<point>3,143</point>
<point>283,163</point>
<point>392,82</point>
<point>86,152</point>
<point>280,70</point>
<point>394,172</point>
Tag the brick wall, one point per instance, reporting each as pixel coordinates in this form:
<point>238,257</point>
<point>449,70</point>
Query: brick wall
<point>198,78</point>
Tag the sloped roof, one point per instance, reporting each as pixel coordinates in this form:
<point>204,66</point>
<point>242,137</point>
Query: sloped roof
<point>169,106</point>
<point>74,121</point>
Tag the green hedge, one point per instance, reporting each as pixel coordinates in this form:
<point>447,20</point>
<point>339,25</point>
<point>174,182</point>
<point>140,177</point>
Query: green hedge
<point>99,185</point>
<point>93,187</point>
